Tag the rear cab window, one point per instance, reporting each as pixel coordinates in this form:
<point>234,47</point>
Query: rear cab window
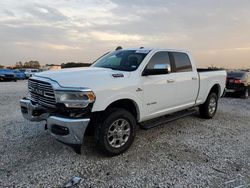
<point>181,62</point>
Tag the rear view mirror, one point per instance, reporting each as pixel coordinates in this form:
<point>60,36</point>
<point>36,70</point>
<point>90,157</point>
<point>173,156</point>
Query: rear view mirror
<point>158,69</point>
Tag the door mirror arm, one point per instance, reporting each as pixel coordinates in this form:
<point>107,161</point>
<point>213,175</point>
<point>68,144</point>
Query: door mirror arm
<point>148,72</point>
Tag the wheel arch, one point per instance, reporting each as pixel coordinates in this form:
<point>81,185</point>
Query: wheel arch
<point>128,104</point>
<point>216,89</point>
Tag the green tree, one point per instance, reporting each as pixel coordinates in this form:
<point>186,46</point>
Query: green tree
<point>73,64</point>
<point>32,64</point>
<point>19,64</point>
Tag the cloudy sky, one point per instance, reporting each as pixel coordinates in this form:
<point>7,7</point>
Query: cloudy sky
<point>217,32</point>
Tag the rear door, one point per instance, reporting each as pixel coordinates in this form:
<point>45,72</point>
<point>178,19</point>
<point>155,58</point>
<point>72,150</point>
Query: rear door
<point>186,80</point>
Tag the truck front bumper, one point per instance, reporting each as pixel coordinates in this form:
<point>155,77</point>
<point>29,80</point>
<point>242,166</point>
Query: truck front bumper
<point>66,130</point>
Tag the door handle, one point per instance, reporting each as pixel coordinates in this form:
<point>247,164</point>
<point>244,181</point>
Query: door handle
<point>194,78</point>
<point>170,81</point>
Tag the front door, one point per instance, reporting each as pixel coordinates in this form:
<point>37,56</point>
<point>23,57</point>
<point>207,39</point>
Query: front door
<point>158,90</point>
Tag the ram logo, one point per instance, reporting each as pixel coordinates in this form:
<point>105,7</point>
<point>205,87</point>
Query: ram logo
<point>37,91</point>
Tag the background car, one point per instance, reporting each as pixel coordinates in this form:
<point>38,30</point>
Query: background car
<point>7,75</point>
<point>30,72</point>
<point>238,82</point>
<point>19,75</point>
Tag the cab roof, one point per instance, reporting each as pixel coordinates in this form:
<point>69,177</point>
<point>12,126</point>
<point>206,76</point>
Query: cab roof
<point>157,49</point>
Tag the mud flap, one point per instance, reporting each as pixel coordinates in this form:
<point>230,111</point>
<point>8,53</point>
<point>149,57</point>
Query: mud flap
<point>77,148</point>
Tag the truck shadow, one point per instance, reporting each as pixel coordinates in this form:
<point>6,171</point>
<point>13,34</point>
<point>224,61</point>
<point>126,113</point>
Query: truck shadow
<point>233,95</point>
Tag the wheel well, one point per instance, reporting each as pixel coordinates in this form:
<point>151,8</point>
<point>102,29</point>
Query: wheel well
<point>216,89</point>
<point>127,104</point>
<point>97,117</point>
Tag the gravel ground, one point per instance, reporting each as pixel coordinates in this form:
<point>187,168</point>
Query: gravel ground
<point>190,152</point>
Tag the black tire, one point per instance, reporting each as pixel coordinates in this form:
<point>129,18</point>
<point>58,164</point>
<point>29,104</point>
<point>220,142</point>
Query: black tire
<point>204,109</point>
<point>101,133</point>
<point>245,94</point>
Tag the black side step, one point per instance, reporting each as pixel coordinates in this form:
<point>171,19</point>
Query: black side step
<point>165,119</point>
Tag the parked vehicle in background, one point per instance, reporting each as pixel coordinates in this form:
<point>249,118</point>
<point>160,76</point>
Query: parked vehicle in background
<point>238,82</point>
<point>30,72</point>
<point>121,90</point>
<point>7,75</point>
<point>19,74</point>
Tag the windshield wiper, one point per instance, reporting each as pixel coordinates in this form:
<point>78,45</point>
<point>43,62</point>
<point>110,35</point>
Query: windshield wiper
<point>110,68</point>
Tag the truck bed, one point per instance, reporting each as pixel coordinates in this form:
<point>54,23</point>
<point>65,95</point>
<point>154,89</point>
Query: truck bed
<point>207,79</point>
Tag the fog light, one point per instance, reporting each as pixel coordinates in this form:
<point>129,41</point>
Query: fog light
<point>59,130</point>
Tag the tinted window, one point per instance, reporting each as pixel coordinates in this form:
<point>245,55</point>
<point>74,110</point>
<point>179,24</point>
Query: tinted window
<point>236,74</point>
<point>159,58</point>
<point>125,60</point>
<point>182,62</point>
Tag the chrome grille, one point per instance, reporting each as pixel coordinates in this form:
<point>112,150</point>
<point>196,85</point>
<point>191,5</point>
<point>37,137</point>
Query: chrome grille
<point>42,93</point>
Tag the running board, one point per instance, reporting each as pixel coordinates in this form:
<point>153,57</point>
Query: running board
<point>166,119</point>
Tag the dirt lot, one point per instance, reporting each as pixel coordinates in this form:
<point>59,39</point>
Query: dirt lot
<point>190,152</point>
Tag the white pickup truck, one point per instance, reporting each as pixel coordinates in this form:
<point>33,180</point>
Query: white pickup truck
<point>122,89</point>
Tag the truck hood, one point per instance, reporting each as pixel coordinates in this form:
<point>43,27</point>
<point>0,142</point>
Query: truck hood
<point>90,77</point>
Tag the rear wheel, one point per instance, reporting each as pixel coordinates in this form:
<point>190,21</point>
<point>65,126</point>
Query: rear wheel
<point>116,132</point>
<point>245,93</point>
<point>209,108</point>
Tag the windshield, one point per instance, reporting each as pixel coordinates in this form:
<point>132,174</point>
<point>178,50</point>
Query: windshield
<point>124,60</point>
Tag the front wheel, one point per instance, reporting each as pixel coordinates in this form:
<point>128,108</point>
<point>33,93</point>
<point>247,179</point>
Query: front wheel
<point>116,132</point>
<point>209,108</point>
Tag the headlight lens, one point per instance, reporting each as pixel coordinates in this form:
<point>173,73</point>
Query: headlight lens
<point>75,99</point>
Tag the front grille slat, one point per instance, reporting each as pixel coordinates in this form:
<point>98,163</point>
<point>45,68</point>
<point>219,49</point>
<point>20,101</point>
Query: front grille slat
<point>42,93</point>
<point>46,104</point>
<point>45,101</point>
<point>35,84</point>
<point>49,100</point>
<point>41,86</point>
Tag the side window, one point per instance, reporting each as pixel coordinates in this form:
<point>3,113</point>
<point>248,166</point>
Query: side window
<point>182,62</point>
<point>158,59</point>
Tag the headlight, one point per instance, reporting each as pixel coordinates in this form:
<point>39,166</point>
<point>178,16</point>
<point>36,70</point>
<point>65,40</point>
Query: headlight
<point>75,99</point>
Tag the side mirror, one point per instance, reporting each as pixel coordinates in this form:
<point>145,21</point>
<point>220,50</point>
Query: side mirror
<point>158,69</point>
